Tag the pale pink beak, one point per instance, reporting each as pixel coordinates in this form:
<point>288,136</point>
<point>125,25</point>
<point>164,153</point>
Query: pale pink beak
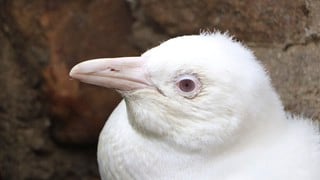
<point>124,73</point>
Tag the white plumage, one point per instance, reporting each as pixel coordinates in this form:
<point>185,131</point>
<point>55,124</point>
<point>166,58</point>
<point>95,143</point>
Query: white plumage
<point>199,107</point>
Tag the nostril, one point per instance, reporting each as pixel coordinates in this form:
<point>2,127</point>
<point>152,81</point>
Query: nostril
<point>114,70</point>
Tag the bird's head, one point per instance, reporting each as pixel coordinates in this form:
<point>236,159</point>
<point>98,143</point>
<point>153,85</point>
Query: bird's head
<point>192,92</point>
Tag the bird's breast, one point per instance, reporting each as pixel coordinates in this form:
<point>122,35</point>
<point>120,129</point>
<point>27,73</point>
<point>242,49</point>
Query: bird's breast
<point>124,154</point>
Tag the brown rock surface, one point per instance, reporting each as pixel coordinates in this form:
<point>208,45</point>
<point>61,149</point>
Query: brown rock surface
<point>295,73</point>
<point>258,21</point>
<point>39,42</point>
<point>67,32</point>
<point>26,149</point>
<point>75,33</point>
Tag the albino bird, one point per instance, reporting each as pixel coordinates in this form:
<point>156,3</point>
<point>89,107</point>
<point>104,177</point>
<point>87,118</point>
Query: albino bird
<point>199,107</point>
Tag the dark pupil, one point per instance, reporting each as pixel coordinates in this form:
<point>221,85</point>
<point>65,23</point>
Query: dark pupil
<point>186,85</point>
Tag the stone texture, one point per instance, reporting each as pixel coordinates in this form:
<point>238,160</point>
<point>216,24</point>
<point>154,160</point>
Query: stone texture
<point>65,33</point>
<point>26,148</point>
<point>266,21</point>
<point>49,124</point>
<point>295,73</point>
<point>313,21</point>
<point>78,110</point>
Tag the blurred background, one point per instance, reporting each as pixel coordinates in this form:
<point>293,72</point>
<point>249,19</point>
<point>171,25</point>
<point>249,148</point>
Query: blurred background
<point>49,124</point>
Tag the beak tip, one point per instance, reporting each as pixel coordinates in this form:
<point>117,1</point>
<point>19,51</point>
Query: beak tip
<point>73,72</point>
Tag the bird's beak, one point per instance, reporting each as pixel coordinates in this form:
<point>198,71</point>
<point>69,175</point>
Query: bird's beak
<point>124,73</point>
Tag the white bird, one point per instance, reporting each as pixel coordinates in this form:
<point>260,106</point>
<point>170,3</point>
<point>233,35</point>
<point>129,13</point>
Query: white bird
<point>199,107</point>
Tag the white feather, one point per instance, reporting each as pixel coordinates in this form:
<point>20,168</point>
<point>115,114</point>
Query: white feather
<point>234,129</point>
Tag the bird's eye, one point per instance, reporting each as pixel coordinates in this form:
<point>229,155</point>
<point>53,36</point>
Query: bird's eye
<point>188,85</point>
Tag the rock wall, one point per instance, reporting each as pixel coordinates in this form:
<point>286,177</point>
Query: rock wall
<point>49,124</point>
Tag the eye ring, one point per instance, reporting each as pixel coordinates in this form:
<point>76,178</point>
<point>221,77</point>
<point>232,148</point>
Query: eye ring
<point>188,85</point>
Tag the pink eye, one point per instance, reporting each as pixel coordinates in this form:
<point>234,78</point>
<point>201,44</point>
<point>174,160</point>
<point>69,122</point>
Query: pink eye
<point>188,85</point>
